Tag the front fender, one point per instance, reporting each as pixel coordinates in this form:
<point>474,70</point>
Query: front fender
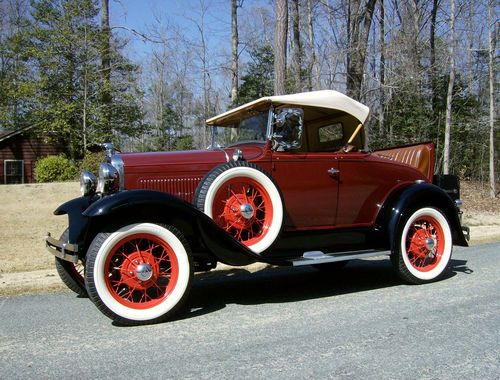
<point>405,200</point>
<point>165,208</point>
<point>77,221</point>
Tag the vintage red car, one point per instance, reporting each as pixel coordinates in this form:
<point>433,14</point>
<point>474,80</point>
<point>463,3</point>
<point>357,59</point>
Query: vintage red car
<point>287,181</point>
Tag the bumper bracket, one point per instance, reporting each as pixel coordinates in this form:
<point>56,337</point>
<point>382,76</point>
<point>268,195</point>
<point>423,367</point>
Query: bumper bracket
<point>65,251</point>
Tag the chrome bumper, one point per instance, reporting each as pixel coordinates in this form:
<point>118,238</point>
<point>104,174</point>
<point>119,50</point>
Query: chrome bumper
<point>65,251</point>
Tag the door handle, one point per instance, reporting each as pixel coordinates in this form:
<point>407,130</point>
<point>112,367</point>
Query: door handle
<point>333,171</point>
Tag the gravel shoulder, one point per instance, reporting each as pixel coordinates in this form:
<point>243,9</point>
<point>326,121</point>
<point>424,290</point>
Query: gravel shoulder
<point>27,215</point>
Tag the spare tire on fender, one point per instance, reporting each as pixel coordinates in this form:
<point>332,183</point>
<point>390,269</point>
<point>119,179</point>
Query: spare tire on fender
<point>244,201</point>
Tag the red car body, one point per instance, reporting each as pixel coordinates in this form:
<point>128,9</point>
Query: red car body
<point>308,192</point>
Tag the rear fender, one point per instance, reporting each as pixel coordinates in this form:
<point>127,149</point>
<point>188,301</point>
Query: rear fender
<point>404,201</point>
<point>154,206</point>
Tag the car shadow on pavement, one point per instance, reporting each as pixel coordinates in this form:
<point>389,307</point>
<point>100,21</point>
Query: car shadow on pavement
<point>459,266</point>
<point>213,291</point>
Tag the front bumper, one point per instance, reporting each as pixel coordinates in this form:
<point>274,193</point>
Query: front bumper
<point>466,232</point>
<point>65,251</point>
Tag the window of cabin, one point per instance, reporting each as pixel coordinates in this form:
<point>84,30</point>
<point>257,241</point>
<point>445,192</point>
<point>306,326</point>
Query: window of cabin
<point>13,171</point>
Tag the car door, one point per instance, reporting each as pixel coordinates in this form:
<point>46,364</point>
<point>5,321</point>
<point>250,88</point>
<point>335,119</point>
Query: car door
<point>309,186</point>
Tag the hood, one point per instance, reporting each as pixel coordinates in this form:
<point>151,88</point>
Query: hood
<point>194,161</point>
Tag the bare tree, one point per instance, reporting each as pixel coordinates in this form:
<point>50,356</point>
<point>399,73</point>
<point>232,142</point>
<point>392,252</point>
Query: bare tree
<point>296,53</point>
<point>106,62</point>
<point>360,14</point>
<point>312,50</point>
<point>449,96</point>
<point>492,50</point>
<point>234,49</point>
<point>280,38</point>
<point>382,67</point>
<point>432,41</point>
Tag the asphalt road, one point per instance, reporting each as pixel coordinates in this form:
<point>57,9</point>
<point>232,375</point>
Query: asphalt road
<point>276,323</point>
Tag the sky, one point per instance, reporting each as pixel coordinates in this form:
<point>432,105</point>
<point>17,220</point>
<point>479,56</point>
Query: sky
<point>140,15</point>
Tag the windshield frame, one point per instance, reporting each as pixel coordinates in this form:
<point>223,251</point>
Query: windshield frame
<point>215,143</point>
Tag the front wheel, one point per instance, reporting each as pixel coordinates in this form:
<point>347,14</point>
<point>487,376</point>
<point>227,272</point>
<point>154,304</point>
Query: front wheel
<point>140,273</point>
<point>423,247</point>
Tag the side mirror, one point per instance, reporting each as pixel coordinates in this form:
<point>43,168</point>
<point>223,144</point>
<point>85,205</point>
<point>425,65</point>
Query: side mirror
<point>288,127</point>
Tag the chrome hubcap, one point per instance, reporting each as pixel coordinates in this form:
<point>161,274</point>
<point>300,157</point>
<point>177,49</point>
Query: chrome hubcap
<point>144,272</point>
<point>430,243</point>
<point>246,211</point>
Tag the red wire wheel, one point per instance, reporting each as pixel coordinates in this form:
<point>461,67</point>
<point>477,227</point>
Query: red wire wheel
<point>244,202</point>
<point>425,243</point>
<point>243,208</point>
<point>425,246</point>
<point>140,273</point>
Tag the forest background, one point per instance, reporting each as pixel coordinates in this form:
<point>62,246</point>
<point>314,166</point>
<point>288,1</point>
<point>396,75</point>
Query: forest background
<point>428,69</point>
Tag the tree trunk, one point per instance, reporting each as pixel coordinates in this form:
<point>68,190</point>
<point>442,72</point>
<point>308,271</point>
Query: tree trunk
<point>382,68</point>
<point>492,49</point>
<point>106,64</point>
<point>296,61</point>
<point>432,71</point>
<point>359,22</point>
<point>280,37</point>
<point>449,96</point>
<point>234,51</point>
<point>312,50</point>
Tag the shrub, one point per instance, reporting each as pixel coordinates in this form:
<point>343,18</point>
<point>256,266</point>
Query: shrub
<point>91,162</point>
<point>55,169</point>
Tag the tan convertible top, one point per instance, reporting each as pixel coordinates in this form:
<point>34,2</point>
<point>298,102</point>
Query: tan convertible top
<point>326,99</point>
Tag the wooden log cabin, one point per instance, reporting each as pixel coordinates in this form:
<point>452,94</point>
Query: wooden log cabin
<point>19,151</point>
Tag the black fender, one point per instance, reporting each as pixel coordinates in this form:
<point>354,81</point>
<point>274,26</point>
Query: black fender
<point>155,206</point>
<point>405,200</point>
<point>77,222</point>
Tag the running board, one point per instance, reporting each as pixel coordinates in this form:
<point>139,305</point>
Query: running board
<point>318,257</point>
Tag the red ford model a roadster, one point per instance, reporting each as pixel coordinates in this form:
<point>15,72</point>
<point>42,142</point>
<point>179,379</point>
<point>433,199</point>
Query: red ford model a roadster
<point>286,182</point>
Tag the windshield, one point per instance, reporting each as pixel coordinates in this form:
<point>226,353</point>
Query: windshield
<point>249,129</point>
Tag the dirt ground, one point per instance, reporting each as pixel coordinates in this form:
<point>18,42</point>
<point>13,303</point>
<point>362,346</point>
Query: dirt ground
<point>27,215</point>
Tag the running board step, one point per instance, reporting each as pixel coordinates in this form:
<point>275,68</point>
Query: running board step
<point>318,257</point>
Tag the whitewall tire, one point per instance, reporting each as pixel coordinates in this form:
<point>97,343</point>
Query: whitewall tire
<point>244,201</point>
<point>140,273</point>
<point>424,246</point>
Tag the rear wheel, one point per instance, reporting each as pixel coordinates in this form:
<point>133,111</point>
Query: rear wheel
<point>423,249</point>
<point>72,275</point>
<point>140,273</point>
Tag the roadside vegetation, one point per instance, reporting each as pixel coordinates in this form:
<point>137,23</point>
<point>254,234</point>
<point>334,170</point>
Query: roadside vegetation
<point>428,70</point>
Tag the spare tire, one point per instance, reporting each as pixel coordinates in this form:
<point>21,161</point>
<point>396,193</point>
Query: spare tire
<point>244,201</point>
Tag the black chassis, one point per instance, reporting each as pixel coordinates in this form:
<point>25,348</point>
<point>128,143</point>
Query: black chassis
<point>210,244</point>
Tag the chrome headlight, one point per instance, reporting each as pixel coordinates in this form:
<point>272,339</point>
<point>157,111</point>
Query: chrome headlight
<point>88,183</point>
<point>109,179</point>
<point>237,155</point>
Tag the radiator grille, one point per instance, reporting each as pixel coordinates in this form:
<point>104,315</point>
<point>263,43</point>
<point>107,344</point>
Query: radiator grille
<point>183,188</point>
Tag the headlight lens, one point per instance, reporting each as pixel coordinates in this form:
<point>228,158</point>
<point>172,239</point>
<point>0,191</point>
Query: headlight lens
<point>109,179</point>
<point>88,183</point>
<point>237,155</point>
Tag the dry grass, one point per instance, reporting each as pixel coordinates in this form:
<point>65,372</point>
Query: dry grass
<point>476,198</point>
<point>26,216</point>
